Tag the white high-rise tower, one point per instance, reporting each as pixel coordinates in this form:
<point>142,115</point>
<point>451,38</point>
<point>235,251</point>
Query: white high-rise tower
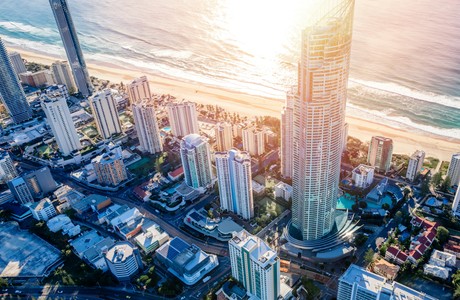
<point>287,131</point>
<point>183,118</point>
<point>146,123</point>
<point>196,160</point>
<point>138,90</point>
<point>104,109</point>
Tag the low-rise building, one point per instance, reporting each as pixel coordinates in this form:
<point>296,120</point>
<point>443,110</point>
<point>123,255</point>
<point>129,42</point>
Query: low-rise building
<point>440,264</point>
<point>362,176</point>
<point>283,190</point>
<point>93,202</point>
<point>453,246</point>
<point>151,237</point>
<point>393,254</point>
<point>123,260</point>
<point>43,210</point>
<point>63,222</point>
<point>385,269</point>
<point>91,247</point>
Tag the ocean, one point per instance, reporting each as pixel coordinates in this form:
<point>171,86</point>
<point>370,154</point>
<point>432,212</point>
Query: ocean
<point>405,68</point>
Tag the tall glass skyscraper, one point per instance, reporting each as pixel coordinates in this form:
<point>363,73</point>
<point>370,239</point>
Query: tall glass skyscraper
<point>72,46</point>
<point>318,122</point>
<point>11,92</point>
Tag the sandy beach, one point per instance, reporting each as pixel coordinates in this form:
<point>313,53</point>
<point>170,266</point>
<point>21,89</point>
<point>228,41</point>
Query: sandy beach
<point>405,142</point>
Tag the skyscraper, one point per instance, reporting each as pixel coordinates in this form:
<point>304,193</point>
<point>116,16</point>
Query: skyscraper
<point>11,92</point>
<point>62,75</point>
<point>145,120</point>
<point>415,164</point>
<point>59,119</point>
<point>183,118</point>
<point>319,114</point>
<point>235,182</point>
<point>72,46</point>
<point>224,136</point>
<point>254,140</point>
<point>255,265</point>
<point>104,109</point>
<point>17,62</point>
<point>7,169</point>
<point>454,169</point>
<point>138,90</point>
<point>287,131</point>
<point>196,160</point>
<point>380,153</point>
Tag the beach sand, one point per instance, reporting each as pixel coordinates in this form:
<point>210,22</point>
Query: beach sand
<point>405,142</point>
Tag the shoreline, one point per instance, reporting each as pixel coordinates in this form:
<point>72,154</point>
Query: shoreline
<point>405,141</point>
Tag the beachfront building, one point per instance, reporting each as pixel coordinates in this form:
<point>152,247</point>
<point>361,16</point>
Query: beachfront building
<point>110,168</point>
<point>62,75</point>
<point>183,118</point>
<point>196,160</point>
<point>37,79</point>
<point>224,136</point>
<point>255,265</point>
<point>235,182</point>
<point>72,48</point>
<point>105,113</point>
<point>123,260</point>
<point>61,123</point>
<point>362,176</point>
<point>11,93</point>
<point>138,90</point>
<point>20,190</point>
<point>7,168</point>
<point>357,283</point>
<point>415,164</point>
<point>253,140</point>
<point>17,62</point>
<point>380,153</point>
<point>145,120</point>
<point>455,207</point>
<point>454,169</point>
<point>287,131</point>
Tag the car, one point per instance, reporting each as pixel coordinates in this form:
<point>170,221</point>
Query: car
<point>18,291</point>
<point>59,292</point>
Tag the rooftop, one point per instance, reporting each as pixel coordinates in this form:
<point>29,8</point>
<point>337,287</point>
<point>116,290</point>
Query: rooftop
<point>119,252</point>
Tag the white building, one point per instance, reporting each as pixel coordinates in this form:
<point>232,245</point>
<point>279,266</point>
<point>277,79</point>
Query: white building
<point>357,283</point>
<point>57,89</point>
<point>20,190</point>
<point>7,168</point>
<point>138,90</point>
<point>380,153</point>
<point>415,164</point>
<point>151,238</point>
<point>43,210</point>
<point>59,119</point>
<point>455,208</point>
<point>104,110</point>
<point>146,123</point>
<point>63,222</point>
<point>255,265</point>
<point>454,169</point>
<point>287,131</point>
<point>362,176</point>
<point>17,63</point>
<point>224,136</point>
<point>254,140</point>
<point>123,260</point>
<point>63,75</point>
<point>235,182</point>
<point>283,190</point>
<point>196,161</point>
<point>183,118</point>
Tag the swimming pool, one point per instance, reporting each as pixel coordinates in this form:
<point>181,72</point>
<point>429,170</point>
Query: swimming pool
<point>346,202</point>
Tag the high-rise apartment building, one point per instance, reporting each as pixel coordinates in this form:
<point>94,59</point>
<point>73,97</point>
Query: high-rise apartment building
<point>11,93</point>
<point>72,46</point>
<point>183,118</point>
<point>357,283</point>
<point>110,168</point>
<point>380,153</point>
<point>415,164</point>
<point>287,131</point>
<point>40,182</point>
<point>224,136</point>
<point>7,168</point>
<point>61,123</point>
<point>454,169</point>
<point>196,161</point>
<point>362,176</point>
<point>255,265</point>
<point>37,79</point>
<point>17,62</point>
<point>254,140</point>
<point>138,90</point>
<point>145,120</point>
<point>105,113</point>
<point>20,190</point>
<point>319,115</point>
<point>62,75</point>
<point>235,182</point>
<point>455,207</point>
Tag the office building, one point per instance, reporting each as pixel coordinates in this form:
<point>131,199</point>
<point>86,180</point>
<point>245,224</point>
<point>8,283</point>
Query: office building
<point>362,176</point>
<point>380,153</point>
<point>17,62</point>
<point>40,182</point>
<point>138,90</point>
<point>20,190</point>
<point>145,120</point>
<point>152,237</point>
<point>235,182</point>
<point>72,46</point>
<point>43,210</point>
<point>7,168</point>
<point>110,169</point>
<point>62,75</point>
<point>105,113</point>
<point>123,260</point>
<point>37,79</point>
<point>415,164</point>
<point>183,118</point>
<point>287,131</point>
<point>11,92</point>
<point>454,169</point>
<point>253,140</point>
<point>196,161</point>
<point>255,265</point>
<point>224,136</point>
<point>91,247</point>
<point>61,123</point>
<point>357,283</point>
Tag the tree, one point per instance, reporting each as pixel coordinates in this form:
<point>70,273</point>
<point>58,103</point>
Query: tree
<point>362,204</point>
<point>369,256</point>
<point>436,179</point>
<point>386,206</point>
<point>310,287</point>
<point>398,217</point>
<point>445,185</point>
<point>383,249</point>
<point>425,188</point>
<point>442,234</point>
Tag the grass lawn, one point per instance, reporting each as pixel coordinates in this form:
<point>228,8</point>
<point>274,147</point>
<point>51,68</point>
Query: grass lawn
<point>267,205</point>
<point>431,162</point>
<point>145,165</point>
<point>44,150</point>
<point>444,167</point>
<point>90,131</point>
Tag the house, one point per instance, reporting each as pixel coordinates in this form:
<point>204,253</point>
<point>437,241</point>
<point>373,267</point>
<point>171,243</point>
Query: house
<point>395,255</point>
<point>176,174</point>
<point>385,269</point>
<point>453,246</point>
